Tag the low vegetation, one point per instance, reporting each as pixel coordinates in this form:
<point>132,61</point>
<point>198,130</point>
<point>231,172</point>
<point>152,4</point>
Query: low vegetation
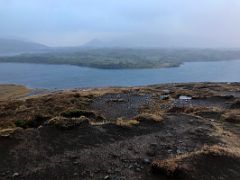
<point>12,92</point>
<point>110,58</point>
<point>68,123</point>
<point>123,133</point>
<point>232,116</point>
<point>236,105</point>
<point>149,118</point>
<point>207,163</point>
<point>33,112</point>
<point>126,123</point>
<point>33,122</point>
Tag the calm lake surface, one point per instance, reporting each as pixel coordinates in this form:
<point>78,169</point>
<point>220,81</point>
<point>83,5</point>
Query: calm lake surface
<point>67,76</point>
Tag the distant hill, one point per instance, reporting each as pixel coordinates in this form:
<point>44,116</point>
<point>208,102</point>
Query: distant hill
<point>95,43</point>
<point>12,46</point>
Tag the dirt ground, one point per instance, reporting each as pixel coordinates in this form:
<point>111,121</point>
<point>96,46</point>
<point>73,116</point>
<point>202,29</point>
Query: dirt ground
<point>172,131</point>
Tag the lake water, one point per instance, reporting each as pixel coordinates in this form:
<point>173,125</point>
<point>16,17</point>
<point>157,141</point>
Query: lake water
<point>68,76</point>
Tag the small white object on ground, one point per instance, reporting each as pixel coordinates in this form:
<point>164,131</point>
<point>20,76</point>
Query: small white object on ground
<point>182,97</point>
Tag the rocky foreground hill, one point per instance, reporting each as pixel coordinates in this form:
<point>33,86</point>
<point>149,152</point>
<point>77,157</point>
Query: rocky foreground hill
<point>172,131</point>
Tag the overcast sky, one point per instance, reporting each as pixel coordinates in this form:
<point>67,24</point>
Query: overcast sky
<point>175,23</point>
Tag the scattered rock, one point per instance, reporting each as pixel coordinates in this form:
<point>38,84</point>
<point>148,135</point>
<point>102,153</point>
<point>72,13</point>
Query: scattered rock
<point>116,100</point>
<point>130,148</point>
<point>15,175</point>
<point>184,97</point>
<point>138,169</point>
<point>166,91</point>
<point>40,127</point>
<point>7,132</point>
<point>164,97</point>
<point>146,161</point>
<point>151,153</point>
<point>106,177</point>
<point>179,151</point>
<point>114,156</point>
<point>153,144</point>
<point>130,166</point>
<point>75,163</point>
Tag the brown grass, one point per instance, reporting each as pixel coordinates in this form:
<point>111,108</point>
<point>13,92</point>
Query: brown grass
<point>126,123</point>
<point>12,92</point>
<point>194,110</point>
<point>188,110</point>
<point>232,116</point>
<point>236,105</point>
<point>146,117</point>
<point>49,106</point>
<point>7,132</point>
<point>67,123</point>
<point>190,164</point>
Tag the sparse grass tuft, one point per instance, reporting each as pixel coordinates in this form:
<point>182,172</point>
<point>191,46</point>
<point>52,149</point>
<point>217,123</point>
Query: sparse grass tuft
<point>37,120</point>
<point>34,122</point>
<point>126,123</point>
<point>68,123</point>
<point>27,111</point>
<point>77,113</point>
<point>146,117</point>
<point>7,132</point>
<point>198,162</point>
<point>232,116</point>
<point>236,105</point>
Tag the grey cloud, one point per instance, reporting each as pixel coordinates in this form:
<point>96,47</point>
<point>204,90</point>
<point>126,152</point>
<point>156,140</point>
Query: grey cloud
<point>157,22</point>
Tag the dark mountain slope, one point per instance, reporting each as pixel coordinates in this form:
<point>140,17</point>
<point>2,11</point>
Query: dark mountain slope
<point>12,46</point>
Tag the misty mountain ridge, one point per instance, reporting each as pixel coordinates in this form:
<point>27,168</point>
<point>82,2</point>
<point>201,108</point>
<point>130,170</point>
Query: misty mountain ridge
<point>94,43</point>
<point>159,41</point>
<point>14,46</point>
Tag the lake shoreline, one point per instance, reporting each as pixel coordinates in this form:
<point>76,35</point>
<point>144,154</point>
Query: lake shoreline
<point>156,66</point>
<point>54,77</point>
<point>18,91</point>
<point>13,91</point>
<point>159,66</point>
